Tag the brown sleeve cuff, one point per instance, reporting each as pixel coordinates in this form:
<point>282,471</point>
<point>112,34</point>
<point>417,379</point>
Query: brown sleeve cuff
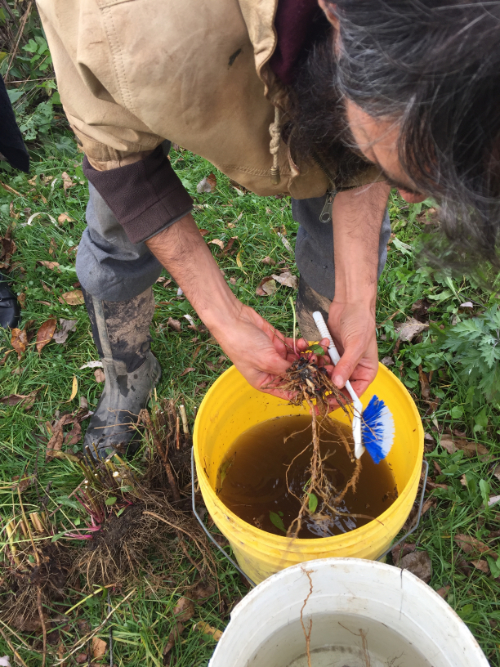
<point>145,197</point>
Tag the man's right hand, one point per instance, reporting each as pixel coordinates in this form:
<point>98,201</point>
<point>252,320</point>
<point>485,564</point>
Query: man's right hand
<point>258,351</point>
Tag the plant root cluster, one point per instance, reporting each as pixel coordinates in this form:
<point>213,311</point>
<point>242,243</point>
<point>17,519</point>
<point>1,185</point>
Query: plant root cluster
<point>152,510</point>
<point>126,515</point>
<point>312,385</point>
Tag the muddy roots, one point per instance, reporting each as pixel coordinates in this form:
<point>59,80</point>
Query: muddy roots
<point>312,385</point>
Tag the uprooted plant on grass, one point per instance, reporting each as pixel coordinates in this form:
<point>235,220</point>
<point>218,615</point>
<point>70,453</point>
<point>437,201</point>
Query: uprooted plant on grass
<point>122,514</point>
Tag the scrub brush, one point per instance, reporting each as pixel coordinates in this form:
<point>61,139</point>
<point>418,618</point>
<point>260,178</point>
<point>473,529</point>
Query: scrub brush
<point>373,428</point>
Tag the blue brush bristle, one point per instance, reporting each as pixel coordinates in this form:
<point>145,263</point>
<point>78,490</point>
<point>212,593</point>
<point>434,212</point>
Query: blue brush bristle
<point>377,429</point>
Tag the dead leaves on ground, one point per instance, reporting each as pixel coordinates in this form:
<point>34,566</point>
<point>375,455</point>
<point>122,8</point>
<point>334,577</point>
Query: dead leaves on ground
<point>184,610</point>
<point>58,437</point>
<point>73,298</point>
<point>65,328</point>
<point>19,341</point>
<point>268,286</point>
<point>20,338</point>
<point>45,334</point>
<point>207,184</point>
<point>409,329</point>
<point>16,399</point>
<point>468,447</point>
<point>7,249</point>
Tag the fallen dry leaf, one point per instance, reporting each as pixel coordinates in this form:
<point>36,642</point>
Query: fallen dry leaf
<point>481,565</point>
<point>268,260</point>
<point>409,329</point>
<point>56,440</point>
<point>183,611</point>
<point>218,242</point>
<point>174,324</point>
<point>266,287</point>
<point>81,658</point>
<point>388,361</point>
<point>401,550</point>
<point>419,564</point>
<point>192,324</point>
<point>99,375</point>
<point>230,244</point>
<point>64,217</point>
<point>99,647</point>
<point>66,326</point>
<point>285,242</point>
<point>204,232</point>
<point>493,500</point>
<point>288,279</point>
<point>19,341</point>
<point>67,182</point>
<point>22,299</point>
<point>7,249</point>
<point>496,472</point>
<point>202,590</point>
<point>9,189</point>
<point>186,371</point>
<point>467,304</point>
<point>200,387</point>
<point>468,447</point>
<point>208,630</point>
<point>207,184</point>
<point>420,309</point>
<point>239,263</point>
<point>443,592</point>
<point>14,399</point>
<point>471,545</point>
<point>45,334</point>
<point>74,389</point>
<point>22,484</point>
<point>73,298</point>
<point>49,265</point>
<point>91,364</point>
<point>425,389</point>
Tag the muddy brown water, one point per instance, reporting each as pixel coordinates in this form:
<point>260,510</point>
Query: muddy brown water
<point>252,483</point>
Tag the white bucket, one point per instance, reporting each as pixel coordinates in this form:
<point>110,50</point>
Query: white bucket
<point>363,613</point>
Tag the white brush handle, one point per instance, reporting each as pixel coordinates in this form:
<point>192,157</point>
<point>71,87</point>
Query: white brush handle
<point>358,407</point>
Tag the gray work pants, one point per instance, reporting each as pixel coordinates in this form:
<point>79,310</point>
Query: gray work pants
<point>111,268</point>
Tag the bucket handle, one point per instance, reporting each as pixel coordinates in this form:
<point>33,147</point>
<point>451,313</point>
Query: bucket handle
<point>419,515</point>
<point>208,533</point>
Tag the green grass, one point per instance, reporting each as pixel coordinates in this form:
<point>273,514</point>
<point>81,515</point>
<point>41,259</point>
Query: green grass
<point>142,625</point>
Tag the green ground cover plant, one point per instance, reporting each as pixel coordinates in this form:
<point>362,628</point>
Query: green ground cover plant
<point>437,332</point>
<point>459,531</point>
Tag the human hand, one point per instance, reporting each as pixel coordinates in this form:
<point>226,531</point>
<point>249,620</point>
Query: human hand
<point>259,351</point>
<point>352,326</point>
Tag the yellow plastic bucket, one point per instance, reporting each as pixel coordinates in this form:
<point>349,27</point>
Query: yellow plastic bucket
<point>232,406</point>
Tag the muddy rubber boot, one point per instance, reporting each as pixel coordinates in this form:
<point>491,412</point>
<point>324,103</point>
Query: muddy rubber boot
<point>121,333</point>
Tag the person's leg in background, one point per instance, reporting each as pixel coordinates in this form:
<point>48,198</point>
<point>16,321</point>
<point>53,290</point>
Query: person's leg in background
<point>117,277</point>
<point>314,257</point>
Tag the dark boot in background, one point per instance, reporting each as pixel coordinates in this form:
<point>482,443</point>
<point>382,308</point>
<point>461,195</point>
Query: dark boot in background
<point>9,306</point>
<point>121,333</point>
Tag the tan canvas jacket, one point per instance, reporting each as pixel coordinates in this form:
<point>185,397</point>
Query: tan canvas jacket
<point>132,73</point>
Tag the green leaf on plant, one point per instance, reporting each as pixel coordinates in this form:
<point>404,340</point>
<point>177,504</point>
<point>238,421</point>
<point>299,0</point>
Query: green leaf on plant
<point>110,501</point>
<point>457,412</point>
<point>316,349</point>
<point>484,488</point>
<point>494,566</point>
<point>277,521</point>
<point>313,502</point>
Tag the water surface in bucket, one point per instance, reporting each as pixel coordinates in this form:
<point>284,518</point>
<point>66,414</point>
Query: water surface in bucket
<point>338,640</point>
<point>252,477</point>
